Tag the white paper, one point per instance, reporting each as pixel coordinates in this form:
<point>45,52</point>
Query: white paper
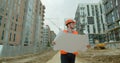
<point>71,42</point>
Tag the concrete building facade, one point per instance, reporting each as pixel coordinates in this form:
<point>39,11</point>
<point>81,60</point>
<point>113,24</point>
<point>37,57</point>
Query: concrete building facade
<point>52,36</point>
<point>28,21</point>
<point>11,25</point>
<point>42,14</point>
<point>40,10</point>
<point>21,24</point>
<point>90,20</point>
<point>46,36</point>
<point>112,15</point>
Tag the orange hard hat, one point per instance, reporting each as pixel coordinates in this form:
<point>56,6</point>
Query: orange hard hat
<point>69,21</point>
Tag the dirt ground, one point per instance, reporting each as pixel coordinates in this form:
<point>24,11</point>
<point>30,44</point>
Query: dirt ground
<point>94,56</point>
<point>42,57</point>
<point>91,56</point>
<point>100,56</point>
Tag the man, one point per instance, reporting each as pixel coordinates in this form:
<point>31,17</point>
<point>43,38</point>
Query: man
<point>67,57</point>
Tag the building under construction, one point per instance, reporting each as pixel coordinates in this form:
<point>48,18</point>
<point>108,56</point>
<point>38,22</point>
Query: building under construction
<point>100,21</point>
<point>21,26</point>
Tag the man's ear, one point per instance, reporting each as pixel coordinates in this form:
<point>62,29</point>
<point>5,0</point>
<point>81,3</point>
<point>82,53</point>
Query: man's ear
<point>68,25</point>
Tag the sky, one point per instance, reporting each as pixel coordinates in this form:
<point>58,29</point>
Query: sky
<point>57,11</point>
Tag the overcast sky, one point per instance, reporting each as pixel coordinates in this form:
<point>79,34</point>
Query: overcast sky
<point>58,10</point>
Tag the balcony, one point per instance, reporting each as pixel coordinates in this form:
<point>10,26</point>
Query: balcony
<point>1,11</point>
<point>42,27</point>
<point>42,23</point>
<point>43,7</point>
<point>104,1</point>
<point>25,44</point>
<point>43,19</point>
<point>110,23</point>
<point>109,10</point>
<point>43,15</point>
<point>116,27</point>
<point>13,43</point>
<point>117,20</point>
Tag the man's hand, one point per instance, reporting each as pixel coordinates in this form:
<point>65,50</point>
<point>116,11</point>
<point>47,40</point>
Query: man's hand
<point>88,46</point>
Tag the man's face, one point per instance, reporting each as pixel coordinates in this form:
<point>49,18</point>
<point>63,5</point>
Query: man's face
<point>71,25</point>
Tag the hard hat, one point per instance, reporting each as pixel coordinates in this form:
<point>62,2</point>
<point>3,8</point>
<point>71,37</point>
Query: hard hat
<point>69,21</point>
